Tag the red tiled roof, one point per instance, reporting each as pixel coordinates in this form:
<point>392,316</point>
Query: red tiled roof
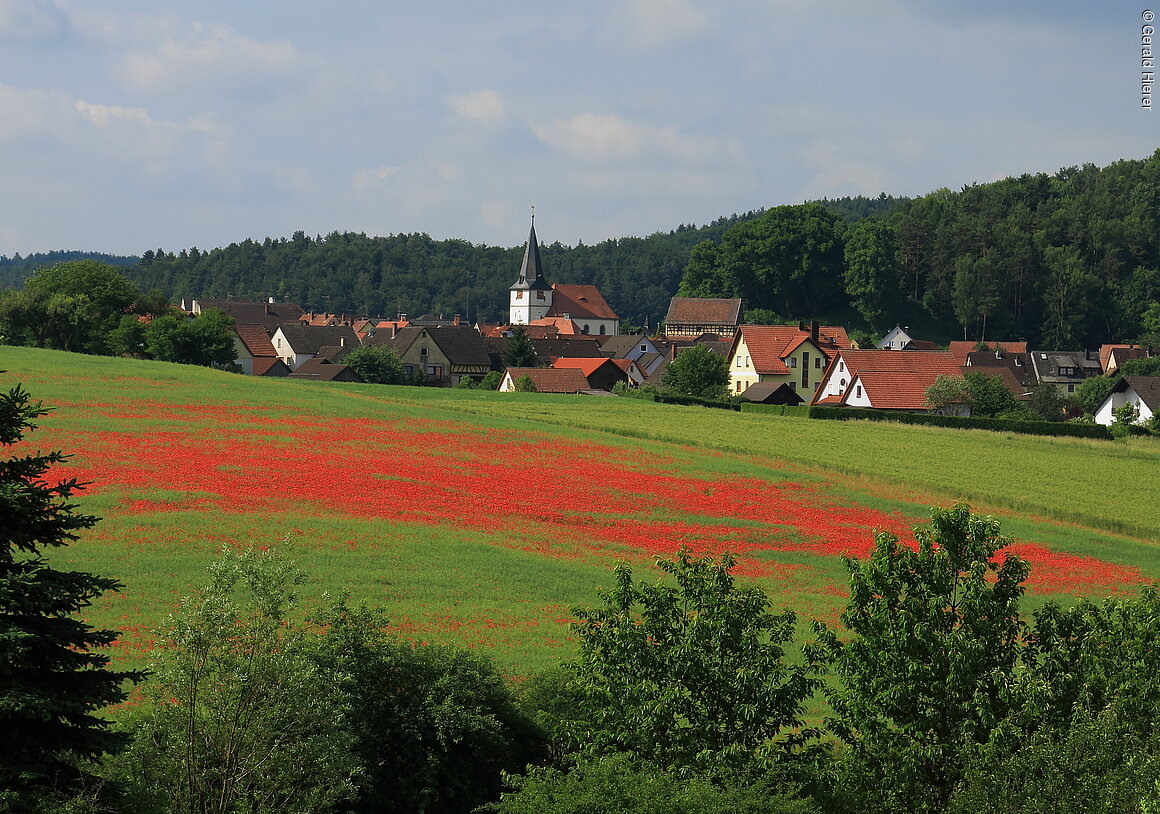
<point>564,326</point>
<point>256,340</point>
<point>901,361</point>
<point>586,365</point>
<point>769,344</point>
<point>552,380</point>
<point>893,389</point>
<point>582,301</point>
<point>703,311</point>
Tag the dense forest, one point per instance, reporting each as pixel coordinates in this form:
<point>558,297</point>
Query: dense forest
<point>1063,261</point>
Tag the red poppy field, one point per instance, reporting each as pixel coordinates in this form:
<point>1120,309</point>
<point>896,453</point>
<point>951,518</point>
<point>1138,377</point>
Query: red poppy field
<point>478,532</point>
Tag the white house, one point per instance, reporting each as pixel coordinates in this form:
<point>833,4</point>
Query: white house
<point>1141,391</point>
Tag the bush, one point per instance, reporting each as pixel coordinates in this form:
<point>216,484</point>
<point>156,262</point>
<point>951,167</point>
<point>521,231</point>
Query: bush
<point>964,422</point>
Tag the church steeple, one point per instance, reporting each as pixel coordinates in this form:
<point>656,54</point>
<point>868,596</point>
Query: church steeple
<point>531,296</point>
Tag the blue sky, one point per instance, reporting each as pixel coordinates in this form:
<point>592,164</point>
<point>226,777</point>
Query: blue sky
<point>134,124</point>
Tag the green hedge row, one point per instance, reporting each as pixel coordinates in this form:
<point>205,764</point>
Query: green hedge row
<point>696,402</point>
<point>996,424</point>
<point>796,410</point>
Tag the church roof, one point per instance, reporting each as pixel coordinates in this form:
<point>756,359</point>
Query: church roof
<point>583,301</point>
<point>532,269</point>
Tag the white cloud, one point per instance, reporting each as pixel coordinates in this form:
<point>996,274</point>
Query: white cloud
<point>654,23</point>
<point>593,137</point>
<point>210,55</point>
<point>485,106</point>
<point>30,19</point>
<point>369,179</point>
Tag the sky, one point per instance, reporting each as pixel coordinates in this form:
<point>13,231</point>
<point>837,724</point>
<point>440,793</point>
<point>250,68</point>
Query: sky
<point>128,125</point>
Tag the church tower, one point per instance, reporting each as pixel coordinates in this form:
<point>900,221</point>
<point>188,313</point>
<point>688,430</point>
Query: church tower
<point>531,296</point>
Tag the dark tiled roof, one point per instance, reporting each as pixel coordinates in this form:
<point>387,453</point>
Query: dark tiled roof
<point>961,349</point>
<point>703,311</point>
<point>322,370</point>
<point>267,314</point>
<point>312,338</point>
<point>574,347</point>
<point>771,393</point>
<point>1146,387</point>
<point>463,346</point>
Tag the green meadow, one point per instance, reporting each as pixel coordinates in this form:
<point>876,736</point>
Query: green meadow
<point>455,582</point>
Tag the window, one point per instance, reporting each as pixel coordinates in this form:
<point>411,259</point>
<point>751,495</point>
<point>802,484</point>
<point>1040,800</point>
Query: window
<point>738,361</point>
<point>842,368</point>
<point>539,295</point>
<point>423,352</point>
<point>435,371</point>
<point>602,330</point>
<point>644,348</point>
<point>738,387</point>
<point>805,369</point>
<point>818,363</point>
<point>519,295</point>
<point>859,391</point>
<point>792,361</point>
<point>747,361</point>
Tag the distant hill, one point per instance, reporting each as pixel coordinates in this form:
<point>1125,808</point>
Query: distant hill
<point>14,270</point>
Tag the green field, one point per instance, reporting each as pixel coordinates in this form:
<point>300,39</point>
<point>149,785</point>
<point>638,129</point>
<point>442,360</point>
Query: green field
<point>481,518</point>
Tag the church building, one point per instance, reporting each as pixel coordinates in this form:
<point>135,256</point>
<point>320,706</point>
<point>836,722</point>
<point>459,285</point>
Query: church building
<point>533,301</point>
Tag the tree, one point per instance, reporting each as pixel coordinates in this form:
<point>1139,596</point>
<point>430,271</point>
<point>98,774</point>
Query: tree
<point>433,727</point>
<point>698,371</point>
<point>205,339</point>
<point>1048,402</point>
<point>525,384</point>
<point>375,364</point>
<point>947,390</point>
<point>934,639</point>
<point>690,675</point>
<point>243,718</point>
<point>519,350</point>
<point>81,301</point>
<point>989,396</point>
<point>872,268</point>
<point>52,683</point>
<point>491,380</point>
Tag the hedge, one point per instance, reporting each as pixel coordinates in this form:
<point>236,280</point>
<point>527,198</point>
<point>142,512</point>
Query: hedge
<point>696,402</point>
<point>797,410</point>
<point>965,423</point>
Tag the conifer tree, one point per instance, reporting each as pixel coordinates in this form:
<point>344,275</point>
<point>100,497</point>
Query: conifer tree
<point>52,683</point>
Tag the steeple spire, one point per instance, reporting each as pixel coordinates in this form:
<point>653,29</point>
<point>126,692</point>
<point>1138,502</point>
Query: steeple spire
<point>532,269</point>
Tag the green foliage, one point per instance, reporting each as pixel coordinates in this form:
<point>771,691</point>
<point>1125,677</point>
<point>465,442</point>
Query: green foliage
<point>933,642</point>
<point>989,396</point>
<point>690,675</point>
<point>698,371</point>
<point>491,380</point>
<point>243,718</point>
<point>205,339</point>
<point>375,364</point>
<point>52,682</point>
<point>519,350</point>
<point>1092,392</point>
<point>763,316</point>
<point>524,384</point>
<point>872,268</point>
<point>1149,366</point>
<point>1048,402</point>
<point>1025,423</point>
<point>948,390</point>
<point>618,784</point>
<point>433,727</point>
<point>788,259</point>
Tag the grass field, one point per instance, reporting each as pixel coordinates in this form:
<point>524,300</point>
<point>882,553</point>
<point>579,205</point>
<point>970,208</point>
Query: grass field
<point>482,518</point>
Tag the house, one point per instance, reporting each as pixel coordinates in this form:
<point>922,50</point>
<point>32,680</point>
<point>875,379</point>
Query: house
<point>269,314</point>
<point>1112,356</point>
<point>782,354</point>
<point>252,345</point>
<point>295,344</point>
<point>1064,369</point>
<point>898,338</point>
<point>531,298</point>
<point>1141,391</point>
<point>323,370</point>
<point>628,346</point>
<point>602,373</point>
<point>442,355</point>
<point>883,379</point>
<point>546,379</point>
<point>961,350</point>
<point>689,317</point>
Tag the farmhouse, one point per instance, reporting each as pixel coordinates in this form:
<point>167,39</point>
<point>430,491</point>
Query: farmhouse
<point>690,317</point>
<point>884,379</point>
<point>546,379</point>
<point>442,355</point>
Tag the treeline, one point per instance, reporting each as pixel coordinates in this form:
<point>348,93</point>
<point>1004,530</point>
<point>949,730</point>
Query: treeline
<point>14,270</point>
<point>1064,261</point>
<point>686,695</point>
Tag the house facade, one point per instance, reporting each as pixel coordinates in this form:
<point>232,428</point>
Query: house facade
<point>884,379</point>
<point>1142,392</point>
<point>295,344</point>
<point>442,355</point>
<point>782,354</point>
<point>690,317</point>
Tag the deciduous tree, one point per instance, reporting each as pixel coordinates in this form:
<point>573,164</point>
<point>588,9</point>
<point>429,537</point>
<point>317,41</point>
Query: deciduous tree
<point>698,371</point>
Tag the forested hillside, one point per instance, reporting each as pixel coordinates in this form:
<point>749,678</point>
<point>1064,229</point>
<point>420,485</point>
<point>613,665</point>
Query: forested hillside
<point>1064,261</point>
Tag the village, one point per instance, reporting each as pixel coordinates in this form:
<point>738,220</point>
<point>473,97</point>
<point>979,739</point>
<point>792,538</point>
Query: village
<point>579,349</point>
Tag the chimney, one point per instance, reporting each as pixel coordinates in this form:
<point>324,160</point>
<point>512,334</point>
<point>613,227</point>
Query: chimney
<point>268,308</point>
<point>342,341</point>
<point>270,301</point>
<point>814,326</point>
<point>801,326</point>
<point>394,329</point>
<point>455,320</point>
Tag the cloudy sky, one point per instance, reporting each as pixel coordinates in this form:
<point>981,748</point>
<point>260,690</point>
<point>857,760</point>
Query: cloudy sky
<point>135,124</point>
